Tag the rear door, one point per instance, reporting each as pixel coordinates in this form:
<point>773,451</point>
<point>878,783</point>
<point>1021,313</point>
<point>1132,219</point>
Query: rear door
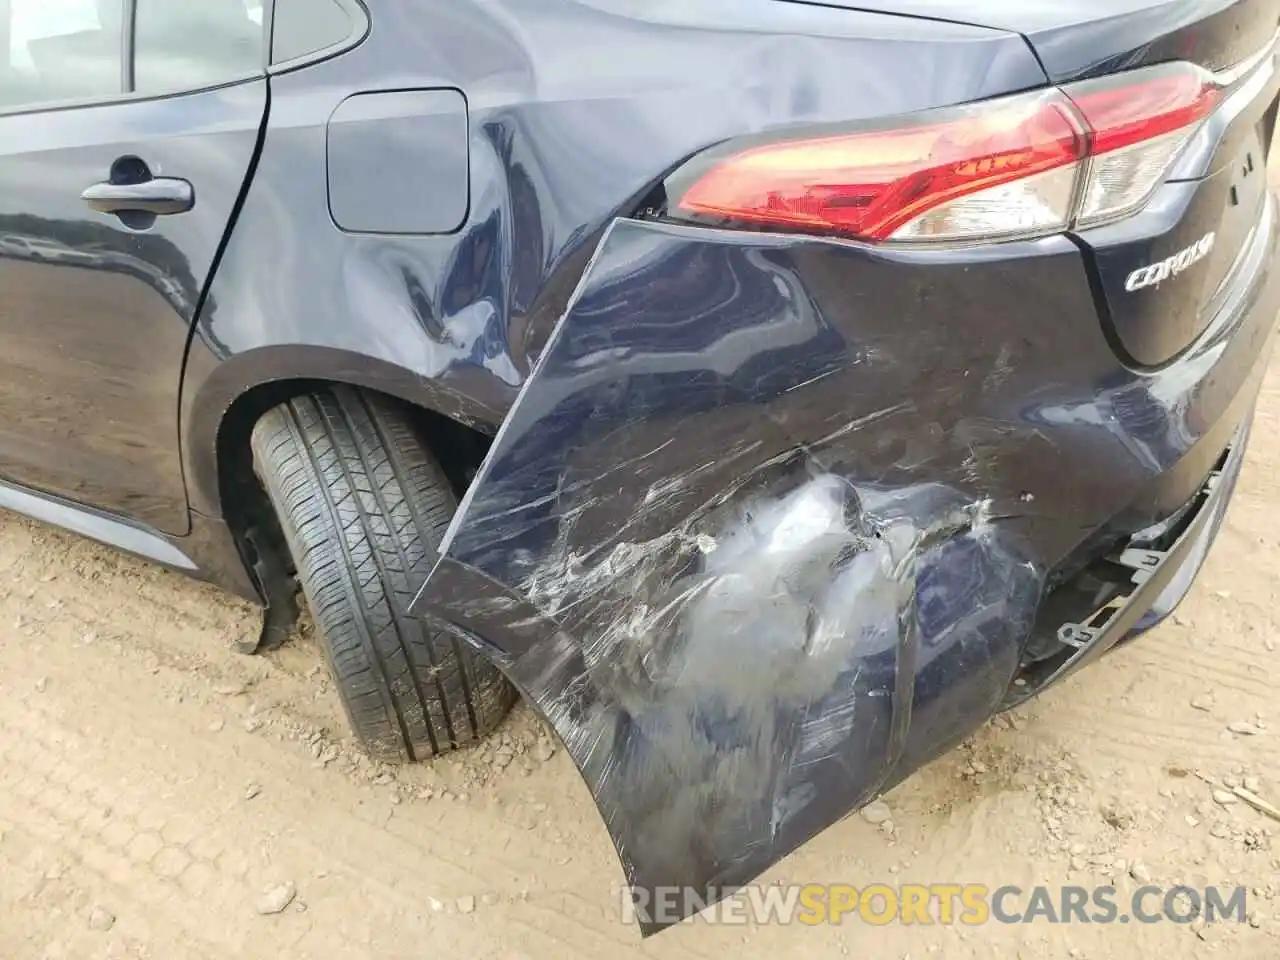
<point>127,130</point>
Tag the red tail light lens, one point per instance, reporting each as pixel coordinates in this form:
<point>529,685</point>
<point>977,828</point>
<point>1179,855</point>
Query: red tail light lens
<point>870,184</point>
<point>1140,123</point>
<point>1121,112</point>
<point>999,169</point>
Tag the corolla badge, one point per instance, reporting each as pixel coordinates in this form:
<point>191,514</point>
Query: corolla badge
<point>1157,273</point>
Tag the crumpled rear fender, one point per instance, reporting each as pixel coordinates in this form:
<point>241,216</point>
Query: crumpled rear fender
<point>770,522</point>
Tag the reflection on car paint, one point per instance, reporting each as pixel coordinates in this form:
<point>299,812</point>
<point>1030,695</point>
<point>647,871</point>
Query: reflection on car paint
<point>96,316</point>
<point>751,569</point>
<point>454,323</point>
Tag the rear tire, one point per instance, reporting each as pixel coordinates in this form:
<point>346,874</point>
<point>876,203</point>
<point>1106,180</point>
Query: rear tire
<point>363,507</point>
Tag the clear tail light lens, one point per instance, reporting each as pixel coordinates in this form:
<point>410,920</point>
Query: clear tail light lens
<point>1025,165</point>
<point>1140,123</point>
<point>1121,183</point>
<point>1037,204</point>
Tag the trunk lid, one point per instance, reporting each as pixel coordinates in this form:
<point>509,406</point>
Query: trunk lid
<point>1075,39</point>
<point>1162,276</point>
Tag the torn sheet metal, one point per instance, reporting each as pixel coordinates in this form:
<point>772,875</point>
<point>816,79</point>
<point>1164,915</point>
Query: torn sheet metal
<point>759,543</point>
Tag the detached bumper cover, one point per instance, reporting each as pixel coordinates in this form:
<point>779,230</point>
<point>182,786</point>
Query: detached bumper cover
<point>771,522</point>
<point>1160,579</point>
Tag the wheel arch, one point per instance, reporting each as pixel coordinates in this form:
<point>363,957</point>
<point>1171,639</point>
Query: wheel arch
<point>220,412</point>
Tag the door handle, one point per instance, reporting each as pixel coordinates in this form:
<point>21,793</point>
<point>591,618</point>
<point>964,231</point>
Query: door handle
<point>159,197</point>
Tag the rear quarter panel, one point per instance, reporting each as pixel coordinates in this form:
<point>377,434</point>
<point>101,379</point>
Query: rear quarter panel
<point>576,109</point>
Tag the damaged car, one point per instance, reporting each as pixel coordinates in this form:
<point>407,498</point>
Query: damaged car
<point>768,392</point>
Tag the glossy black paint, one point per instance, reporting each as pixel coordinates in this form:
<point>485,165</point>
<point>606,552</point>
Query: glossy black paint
<point>1216,194</point>
<point>1077,38</point>
<point>768,521</point>
<point>1153,324</point>
<point>398,162</point>
<point>95,314</point>
<point>576,109</point>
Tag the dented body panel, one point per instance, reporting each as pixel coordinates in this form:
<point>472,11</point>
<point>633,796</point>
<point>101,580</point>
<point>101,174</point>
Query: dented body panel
<point>773,520</point>
<point>767,521</point>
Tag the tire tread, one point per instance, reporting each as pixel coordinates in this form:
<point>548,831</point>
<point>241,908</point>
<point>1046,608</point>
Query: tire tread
<point>363,506</point>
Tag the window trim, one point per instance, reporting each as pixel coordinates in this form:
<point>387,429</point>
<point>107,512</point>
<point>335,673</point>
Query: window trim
<point>269,32</point>
<point>128,41</point>
<point>361,26</point>
<point>110,100</point>
<point>127,94</point>
<point>361,21</point>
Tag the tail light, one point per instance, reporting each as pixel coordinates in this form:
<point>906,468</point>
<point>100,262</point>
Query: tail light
<point>1019,166</point>
<point>1140,124</point>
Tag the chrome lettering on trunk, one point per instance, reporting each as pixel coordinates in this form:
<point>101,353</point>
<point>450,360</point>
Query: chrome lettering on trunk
<point>1157,273</point>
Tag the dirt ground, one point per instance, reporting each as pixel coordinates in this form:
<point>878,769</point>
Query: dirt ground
<point>155,786</point>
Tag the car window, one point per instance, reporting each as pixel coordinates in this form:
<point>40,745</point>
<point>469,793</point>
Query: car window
<point>59,50</point>
<point>305,26</point>
<point>191,44</point>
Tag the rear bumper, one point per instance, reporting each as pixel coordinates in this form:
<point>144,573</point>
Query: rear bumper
<point>1185,560</point>
<point>774,519</point>
<point>1161,566</point>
